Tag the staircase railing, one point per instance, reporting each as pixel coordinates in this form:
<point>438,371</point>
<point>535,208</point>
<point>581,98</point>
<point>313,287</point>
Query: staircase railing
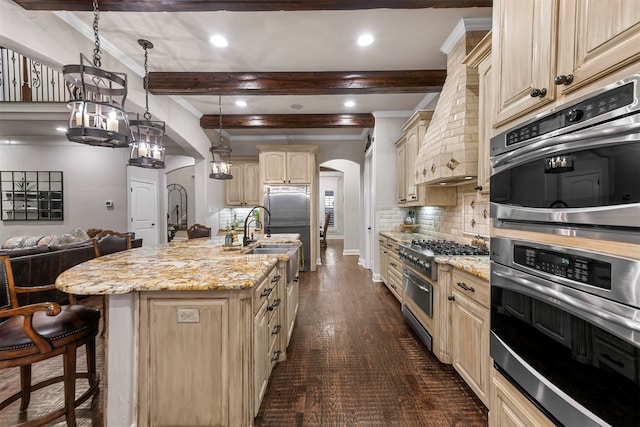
<point>23,79</point>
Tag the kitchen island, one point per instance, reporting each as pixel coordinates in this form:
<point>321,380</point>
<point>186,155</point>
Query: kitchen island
<point>180,330</point>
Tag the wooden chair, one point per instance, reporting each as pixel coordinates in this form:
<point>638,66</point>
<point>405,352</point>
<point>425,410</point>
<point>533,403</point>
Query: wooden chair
<point>36,332</point>
<point>197,231</point>
<point>108,241</point>
<point>323,233</point>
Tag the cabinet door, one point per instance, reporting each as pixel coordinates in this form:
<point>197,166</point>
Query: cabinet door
<point>486,110</point>
<point>509,408</point>
<point>411,147</point>
<point>252,193</point>
<point>384,261</point>
<point>524,37</point>
<point>401,186</point>
<point>261,359</point>
<point>274,167</point>
<point>470,327</point>
<point>292,307</point>
<point>234,187</point>
<point>597,37</point>
<point>299,168</point>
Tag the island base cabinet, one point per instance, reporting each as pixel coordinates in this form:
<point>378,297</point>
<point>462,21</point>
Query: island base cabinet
<point>194,366</point>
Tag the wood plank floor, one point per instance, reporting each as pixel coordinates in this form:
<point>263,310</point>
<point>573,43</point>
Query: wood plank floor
<point>352,361</point>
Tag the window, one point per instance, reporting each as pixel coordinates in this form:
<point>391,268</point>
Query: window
<point>329,205</point>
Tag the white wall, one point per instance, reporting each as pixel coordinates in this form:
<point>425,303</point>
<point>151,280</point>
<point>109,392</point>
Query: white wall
<point>91,175</point>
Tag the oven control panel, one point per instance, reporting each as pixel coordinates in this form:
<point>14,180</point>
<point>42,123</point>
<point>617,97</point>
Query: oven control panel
<point>568,266</point>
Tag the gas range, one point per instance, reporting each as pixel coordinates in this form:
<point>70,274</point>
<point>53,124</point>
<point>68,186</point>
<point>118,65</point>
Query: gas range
<point>420,253</point>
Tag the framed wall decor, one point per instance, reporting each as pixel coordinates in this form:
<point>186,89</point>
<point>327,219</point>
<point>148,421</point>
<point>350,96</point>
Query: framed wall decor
<point>31,196</point>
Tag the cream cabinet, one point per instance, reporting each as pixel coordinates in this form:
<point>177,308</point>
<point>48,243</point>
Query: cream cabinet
<point>407,146</point>
<point>293,291</point>
<point>384,258</point>
<point>290,167</point>
<point>544,49</point>
<point>267,299</point>
<point>480,58</point>
<point>470,331</point>
<point>244,188</point>
<point>510,408</point>
<point>394,270</point>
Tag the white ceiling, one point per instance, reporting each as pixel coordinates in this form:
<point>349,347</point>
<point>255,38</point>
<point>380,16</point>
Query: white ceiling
<point>279,41</point>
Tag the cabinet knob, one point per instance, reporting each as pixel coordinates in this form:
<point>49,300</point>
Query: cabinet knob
<point>451,298</point>
<point>563,79</point>
<point>538,93</point>
<point>478,188</point>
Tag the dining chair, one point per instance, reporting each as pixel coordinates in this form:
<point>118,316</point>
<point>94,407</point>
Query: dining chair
<point>198,230</point>
<point>108,241</point>
<point>323,233</point>
<point>35,332</point>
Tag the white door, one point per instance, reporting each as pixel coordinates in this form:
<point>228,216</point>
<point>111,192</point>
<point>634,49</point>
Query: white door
<point>144,211</point>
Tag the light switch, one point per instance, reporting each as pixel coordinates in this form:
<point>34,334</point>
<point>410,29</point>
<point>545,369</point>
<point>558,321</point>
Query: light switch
<point>188,315</point>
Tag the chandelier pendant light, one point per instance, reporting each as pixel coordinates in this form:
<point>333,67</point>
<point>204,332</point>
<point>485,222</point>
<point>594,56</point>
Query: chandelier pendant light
<point>220,165</point>
<point>97,97</point>
<point>147,150</point>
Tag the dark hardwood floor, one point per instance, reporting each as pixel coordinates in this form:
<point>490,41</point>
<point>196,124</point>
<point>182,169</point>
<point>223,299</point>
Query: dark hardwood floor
<point>352,361</point>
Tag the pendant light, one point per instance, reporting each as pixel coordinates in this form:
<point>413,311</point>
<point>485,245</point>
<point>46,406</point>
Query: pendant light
<point>147,150</point>
<point>97,97</point>
<point>220,165</point>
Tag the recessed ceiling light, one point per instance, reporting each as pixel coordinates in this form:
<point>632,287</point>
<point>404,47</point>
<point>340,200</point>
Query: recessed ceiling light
<point>468,177</point>
<point>365,40</point>
<point>349,104</point>
<point>241,103</point>
<point>296,106</point>
<point>61,129</point>
<point>218,40</point>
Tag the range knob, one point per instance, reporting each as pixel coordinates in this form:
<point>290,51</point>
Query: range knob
<point>574,115</point>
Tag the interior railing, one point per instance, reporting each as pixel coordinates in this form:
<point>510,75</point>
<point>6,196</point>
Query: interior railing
<point>23,79</point>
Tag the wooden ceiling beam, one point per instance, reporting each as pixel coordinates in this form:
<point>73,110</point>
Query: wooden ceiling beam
<point>244,5</point>
<point>287,121</point>
<point>296,83</point>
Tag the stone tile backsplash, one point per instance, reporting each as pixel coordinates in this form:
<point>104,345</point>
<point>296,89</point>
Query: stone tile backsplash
<point>459,223</point>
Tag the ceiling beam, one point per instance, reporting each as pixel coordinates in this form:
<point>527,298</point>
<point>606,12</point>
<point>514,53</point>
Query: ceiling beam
<point>287,121</point>
<point>244,5</point>
<point>296,83</point>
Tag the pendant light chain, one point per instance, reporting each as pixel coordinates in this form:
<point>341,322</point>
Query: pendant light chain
<point>220,116</point>
<point>96,50</point>
<point>147,115</point>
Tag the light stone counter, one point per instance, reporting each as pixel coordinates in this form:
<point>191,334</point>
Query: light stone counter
<point>476,265</point>
<point>192,265</point>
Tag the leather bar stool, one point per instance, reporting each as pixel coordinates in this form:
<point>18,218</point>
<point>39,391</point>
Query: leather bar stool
<point>36,332</point>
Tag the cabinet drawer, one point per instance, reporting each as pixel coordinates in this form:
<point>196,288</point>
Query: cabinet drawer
<point>264,291</point>
<point>395,265</point>
<point>471,286</point>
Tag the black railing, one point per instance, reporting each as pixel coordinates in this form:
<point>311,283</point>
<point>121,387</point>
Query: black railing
<point>23,79</point>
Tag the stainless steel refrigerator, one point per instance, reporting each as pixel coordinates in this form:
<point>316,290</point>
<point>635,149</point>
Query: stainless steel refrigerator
<point>290,207</point>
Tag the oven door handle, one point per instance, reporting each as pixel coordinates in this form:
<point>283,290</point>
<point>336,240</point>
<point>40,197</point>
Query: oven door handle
<point>585,139</point>
<point>538,288</point>
<point>416,283</point>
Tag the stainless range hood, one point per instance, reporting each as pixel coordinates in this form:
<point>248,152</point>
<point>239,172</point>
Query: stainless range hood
<point>448,153</point>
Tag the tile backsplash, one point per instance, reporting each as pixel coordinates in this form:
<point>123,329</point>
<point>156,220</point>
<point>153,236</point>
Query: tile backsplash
<point>470,217</point>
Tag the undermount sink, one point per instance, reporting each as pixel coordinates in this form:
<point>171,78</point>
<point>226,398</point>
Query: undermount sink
<point>290,249</point>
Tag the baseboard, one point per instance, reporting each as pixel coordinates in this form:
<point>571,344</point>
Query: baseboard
<point>351,252</point>
<point>363,262</point>
<point>376,277</point>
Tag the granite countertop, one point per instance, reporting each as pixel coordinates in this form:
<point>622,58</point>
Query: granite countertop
<point>476,265</point>
<point>192,265</point>
<point>401,237</point>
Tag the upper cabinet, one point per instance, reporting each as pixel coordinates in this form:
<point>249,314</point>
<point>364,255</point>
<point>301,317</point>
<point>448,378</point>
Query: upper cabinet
<point>409,193</point>
<point>480,58</point>
<point>287,167</point>
<point>244,188</point>
<point>589,38</point>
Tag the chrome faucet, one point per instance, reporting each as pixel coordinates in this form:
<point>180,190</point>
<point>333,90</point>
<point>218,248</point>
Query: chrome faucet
<point>245,239</point>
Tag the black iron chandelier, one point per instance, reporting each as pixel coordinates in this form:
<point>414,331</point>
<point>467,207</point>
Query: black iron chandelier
<point>220,165</point>
<point>96,100</point>
<point>147,150</point>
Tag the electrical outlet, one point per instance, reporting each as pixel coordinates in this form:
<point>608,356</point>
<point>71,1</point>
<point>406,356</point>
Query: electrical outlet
<point>430,223</point>
<point>188,315</point>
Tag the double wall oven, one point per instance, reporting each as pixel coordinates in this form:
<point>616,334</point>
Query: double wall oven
<point>565,258</point>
